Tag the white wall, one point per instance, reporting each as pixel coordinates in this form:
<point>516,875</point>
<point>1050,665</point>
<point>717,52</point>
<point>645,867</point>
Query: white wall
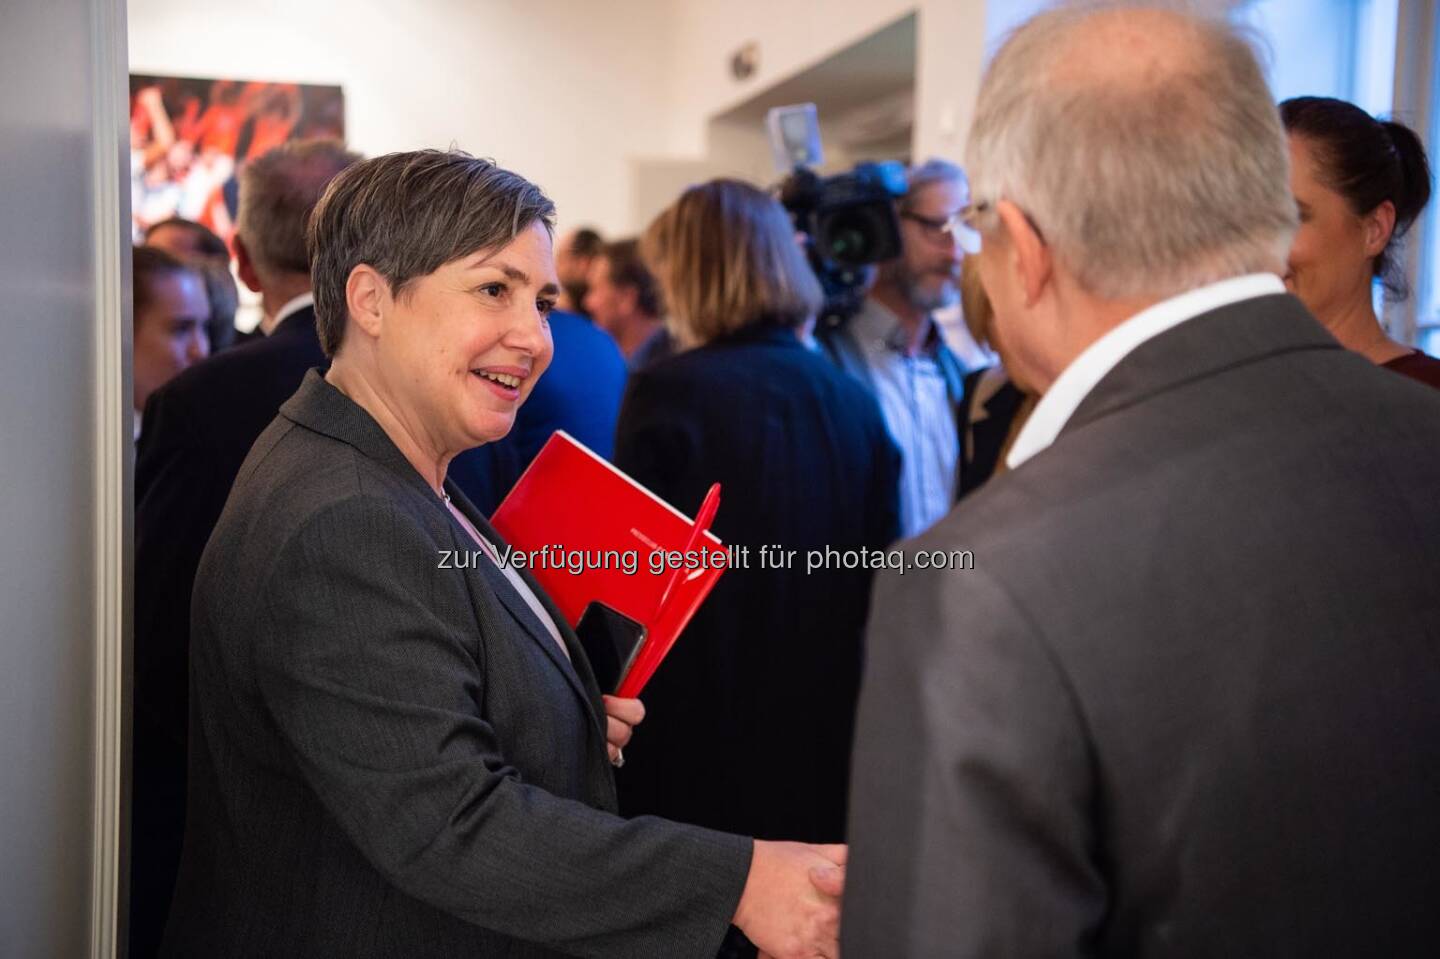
<point>796,34</point>
<point>568,92</point>
<point>64,416</point>
<point>562,91</point>
<point>792,35</point>
<point>950,57</point>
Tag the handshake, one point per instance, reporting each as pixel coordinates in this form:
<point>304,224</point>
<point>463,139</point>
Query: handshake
<point>790,908</point>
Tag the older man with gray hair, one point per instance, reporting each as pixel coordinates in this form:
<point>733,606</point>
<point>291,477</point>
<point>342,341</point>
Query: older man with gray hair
<point>1188,701</point>
<point>197,431</point>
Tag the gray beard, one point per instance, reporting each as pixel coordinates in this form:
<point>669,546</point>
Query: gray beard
<point>948,296</point>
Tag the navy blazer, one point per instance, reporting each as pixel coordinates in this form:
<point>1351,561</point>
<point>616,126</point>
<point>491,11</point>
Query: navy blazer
<point>197,430</point>
<point>749,718</point>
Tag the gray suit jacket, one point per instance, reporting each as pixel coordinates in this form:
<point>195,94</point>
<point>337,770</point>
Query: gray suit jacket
<point>1187,703</point>
<point>388,758</point>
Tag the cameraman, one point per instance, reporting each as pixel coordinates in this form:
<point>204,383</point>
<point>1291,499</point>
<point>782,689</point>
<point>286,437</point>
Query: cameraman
<point>894,348</point>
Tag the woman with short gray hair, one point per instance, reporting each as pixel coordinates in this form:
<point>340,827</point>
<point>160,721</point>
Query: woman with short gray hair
<point>390,755</point>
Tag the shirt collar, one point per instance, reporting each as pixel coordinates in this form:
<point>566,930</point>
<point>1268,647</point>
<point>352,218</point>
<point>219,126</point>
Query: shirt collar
<point>292,307</point>
<point>1076,381</point>
<point>879,324</point>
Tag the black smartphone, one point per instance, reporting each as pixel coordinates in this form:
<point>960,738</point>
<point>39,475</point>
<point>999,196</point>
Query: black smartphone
<point>611,640</point>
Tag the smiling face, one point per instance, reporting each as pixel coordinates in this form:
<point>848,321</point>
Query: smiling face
<point>460,349</point>
<point>1331,263</point>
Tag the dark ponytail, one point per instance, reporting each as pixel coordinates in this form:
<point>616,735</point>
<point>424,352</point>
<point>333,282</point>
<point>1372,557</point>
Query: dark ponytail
<point>1366,161</point>
<point>1414,191</point>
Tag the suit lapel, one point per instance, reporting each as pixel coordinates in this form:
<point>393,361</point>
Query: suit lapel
<point>319,406</point>
<point>576,668</point>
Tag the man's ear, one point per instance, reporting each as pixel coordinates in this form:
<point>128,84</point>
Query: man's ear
<point>1029,252</point>
<point>367,293</point>
<point>245,266</point>
<point>1379,223</point>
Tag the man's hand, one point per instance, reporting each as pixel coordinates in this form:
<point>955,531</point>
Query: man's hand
<point>621,718</point>
<point>790,908</point>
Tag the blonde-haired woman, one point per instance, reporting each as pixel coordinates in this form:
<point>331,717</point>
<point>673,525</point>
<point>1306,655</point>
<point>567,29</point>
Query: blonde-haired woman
<point>751,716</point>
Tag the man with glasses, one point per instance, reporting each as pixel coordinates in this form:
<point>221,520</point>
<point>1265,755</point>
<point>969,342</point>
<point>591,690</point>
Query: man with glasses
<point>893,346</point>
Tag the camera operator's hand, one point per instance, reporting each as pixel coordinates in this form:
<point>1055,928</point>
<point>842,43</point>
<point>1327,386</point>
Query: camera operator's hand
<point>790,908</point>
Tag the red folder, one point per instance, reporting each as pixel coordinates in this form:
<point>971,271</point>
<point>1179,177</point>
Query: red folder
<point>585,521</point>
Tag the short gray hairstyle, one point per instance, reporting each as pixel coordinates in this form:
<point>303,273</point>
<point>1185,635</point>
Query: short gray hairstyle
<point>1147,183</point>
<point>406,215</point>
<point>278,189</point>
<point>934,170</point>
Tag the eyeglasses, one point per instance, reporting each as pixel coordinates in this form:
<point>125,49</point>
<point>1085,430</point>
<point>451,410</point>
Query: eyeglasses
<point>955,227</point>
<point>970,214</point>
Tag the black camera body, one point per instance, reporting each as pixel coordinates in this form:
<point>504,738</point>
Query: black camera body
<point>850,224</point>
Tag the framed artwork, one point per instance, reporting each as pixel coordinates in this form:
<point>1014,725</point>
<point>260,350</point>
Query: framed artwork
<point>190,136</point>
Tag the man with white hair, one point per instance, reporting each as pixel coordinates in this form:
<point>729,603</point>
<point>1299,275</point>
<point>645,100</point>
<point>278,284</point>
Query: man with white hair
<point>1187,702</point>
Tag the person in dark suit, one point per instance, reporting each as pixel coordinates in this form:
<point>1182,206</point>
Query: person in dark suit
<point>196,432</point>
<point>199,246</point>
<point>168,323</point>
<point>397,745</point>
<point>1186,703</point>
<point>753,711</point>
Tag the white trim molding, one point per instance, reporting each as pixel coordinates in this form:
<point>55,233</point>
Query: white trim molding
<point>113,444</point>
<point>1415,70</point>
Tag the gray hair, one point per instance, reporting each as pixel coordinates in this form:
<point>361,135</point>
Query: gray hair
<point>1147,182</point>
<point>406,215</point>
<point>934,170</point>
<point>278,189</point>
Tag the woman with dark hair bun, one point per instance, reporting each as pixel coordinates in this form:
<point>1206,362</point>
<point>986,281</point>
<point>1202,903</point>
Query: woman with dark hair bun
<point>1360,184</point>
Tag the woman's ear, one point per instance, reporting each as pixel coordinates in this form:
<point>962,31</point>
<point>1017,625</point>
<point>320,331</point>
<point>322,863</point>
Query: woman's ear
<point>1379,224</point>
<point>367,294</point>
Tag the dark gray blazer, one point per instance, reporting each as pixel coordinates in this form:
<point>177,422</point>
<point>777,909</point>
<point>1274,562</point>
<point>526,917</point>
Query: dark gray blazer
<point>388,758</point>
<point>1187,703</point>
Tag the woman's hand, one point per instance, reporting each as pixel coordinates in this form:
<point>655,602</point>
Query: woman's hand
<point>622,716</point>
<point>790,907</point>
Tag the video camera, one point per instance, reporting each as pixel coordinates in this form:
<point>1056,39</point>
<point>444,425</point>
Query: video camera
<point>848,220</point>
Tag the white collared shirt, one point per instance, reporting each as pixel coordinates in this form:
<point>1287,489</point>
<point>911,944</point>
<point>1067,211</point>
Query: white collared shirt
<point>1076,381</point>
<point>291,307</point>
<point>916,406</point>
<point>517,582</point>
